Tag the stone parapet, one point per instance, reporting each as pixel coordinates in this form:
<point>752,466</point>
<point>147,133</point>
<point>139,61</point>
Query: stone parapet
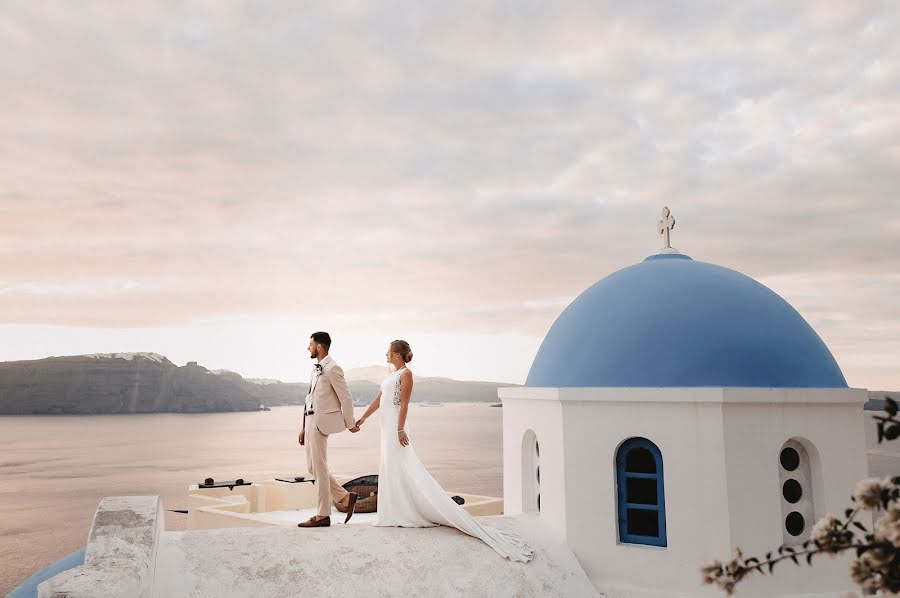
<point>120,555</point>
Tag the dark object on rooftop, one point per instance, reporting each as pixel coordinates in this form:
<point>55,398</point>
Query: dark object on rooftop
<point>295,479</point>
<point>230,485</point>
<point>458,500</point>
<point>367,488</point>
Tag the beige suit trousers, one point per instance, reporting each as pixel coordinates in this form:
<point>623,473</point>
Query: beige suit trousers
<point>317,463</point>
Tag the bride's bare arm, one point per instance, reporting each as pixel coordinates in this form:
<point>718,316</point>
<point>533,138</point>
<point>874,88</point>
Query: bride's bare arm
<point>406,386</point>
<point>373,407</point>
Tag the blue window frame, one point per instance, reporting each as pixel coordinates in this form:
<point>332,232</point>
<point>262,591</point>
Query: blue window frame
<point>641,496</point>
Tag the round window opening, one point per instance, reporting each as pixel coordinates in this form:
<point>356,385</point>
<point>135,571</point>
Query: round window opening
<point>794,523</point>
<point>790,459</point>
<point>792,491</point>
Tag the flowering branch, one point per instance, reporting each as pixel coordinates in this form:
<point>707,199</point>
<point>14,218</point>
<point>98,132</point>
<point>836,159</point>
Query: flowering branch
<point>831,536</point>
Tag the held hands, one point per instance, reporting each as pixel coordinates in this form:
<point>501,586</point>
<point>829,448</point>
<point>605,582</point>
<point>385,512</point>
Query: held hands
<point>404,439</point>
<point>360,422</point>
<point>354,429</point>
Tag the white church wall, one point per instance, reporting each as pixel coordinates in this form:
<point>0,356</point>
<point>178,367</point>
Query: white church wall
<point>720,454</point>
<point>685,424</point>
<point>688,436</point>
<point>757,424</point>
<point>543,419</point>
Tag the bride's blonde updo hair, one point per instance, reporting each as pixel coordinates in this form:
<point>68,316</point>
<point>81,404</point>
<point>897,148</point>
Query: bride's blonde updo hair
<point>402,349</point>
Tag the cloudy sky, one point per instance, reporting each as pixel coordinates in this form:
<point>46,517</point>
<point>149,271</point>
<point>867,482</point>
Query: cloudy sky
<point>213,181</point>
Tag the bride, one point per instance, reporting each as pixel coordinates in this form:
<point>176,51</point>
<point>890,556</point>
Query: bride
<point>407,494</point>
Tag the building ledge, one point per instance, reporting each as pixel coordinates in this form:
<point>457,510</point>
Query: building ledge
<point>699,394</point>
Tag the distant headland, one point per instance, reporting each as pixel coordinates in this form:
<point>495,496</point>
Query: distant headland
<point>107,383</point>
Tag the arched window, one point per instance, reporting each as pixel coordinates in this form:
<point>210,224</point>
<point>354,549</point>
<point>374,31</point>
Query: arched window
<point>531,472</point>
<point>797,508</point>
<point>641,497</point>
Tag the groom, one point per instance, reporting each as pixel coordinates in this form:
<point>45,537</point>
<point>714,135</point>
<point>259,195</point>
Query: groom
<point>328,410</point>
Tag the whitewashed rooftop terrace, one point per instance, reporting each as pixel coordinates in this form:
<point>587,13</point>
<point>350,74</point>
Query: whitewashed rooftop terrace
<point>128,554</point>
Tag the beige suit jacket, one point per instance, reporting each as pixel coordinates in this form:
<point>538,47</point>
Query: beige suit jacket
<point>332,403</point>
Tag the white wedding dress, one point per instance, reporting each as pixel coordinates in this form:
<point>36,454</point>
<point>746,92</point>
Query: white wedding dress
<point>409,497</point>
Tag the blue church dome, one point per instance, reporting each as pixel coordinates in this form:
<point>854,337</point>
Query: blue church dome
<point>672,321</point>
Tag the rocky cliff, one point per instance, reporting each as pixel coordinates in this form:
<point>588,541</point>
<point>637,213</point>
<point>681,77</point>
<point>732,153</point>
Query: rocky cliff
<point>150,383</point>
<point>120,383</point>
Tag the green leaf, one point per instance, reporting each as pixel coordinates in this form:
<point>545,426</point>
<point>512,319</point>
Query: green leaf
<point>848,512</point>
<point>890,406</point>
<point>809,556</point>
<point>794,558</point>
<point>892,432</point>
<point>860,526</point>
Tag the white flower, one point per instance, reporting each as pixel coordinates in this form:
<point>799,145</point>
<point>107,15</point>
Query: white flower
<point>712,571</point>
<point>830,535</point>
<point>868,570</point>
<point>877,558</point>
<point>887,527</point>
<point>862,575</point>
<point>725,575</point>
<point>872,493</point>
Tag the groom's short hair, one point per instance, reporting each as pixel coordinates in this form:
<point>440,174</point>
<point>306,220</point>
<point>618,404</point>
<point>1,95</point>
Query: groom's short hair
<point>322,338</point>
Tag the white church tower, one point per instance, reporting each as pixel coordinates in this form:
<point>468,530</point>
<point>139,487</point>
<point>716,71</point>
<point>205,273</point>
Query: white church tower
<point>677,409</point>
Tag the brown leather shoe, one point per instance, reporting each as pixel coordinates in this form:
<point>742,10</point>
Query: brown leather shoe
<point>313,522</point>
<point>351,505</point>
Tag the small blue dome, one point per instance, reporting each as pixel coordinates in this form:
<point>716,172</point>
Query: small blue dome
<point>673,321</point>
